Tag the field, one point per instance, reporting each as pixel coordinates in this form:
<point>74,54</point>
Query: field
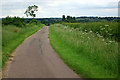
<point>90,49</point>
<point>13,35</point>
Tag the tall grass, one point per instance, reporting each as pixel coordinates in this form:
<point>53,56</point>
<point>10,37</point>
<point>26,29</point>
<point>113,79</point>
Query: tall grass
<point>12,36</point>
<point>105,29</point>
<point>88,54</point>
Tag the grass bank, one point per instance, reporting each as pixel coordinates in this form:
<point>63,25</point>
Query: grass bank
<point>88,54</point>
<point>105,29</point>
<point>12,36</point>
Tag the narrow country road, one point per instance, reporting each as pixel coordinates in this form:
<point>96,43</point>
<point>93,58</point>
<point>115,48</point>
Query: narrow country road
<point>35,58</point>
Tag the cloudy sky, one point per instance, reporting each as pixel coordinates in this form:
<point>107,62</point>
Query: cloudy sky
<point>56,8</point>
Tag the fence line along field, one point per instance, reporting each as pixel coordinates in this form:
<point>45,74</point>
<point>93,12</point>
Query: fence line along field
<point>90,49</point>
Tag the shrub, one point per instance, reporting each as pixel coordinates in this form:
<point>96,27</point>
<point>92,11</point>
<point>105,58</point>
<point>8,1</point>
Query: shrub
<point>34,22</point>
<point>17,21</point>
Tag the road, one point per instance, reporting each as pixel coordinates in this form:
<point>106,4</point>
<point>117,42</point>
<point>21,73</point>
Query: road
<point>35,58</point>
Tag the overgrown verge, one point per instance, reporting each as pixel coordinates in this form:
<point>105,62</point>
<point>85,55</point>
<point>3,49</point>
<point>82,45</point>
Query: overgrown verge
<point>13,35</point>
<point>104,29</point>
<point>88,54</point>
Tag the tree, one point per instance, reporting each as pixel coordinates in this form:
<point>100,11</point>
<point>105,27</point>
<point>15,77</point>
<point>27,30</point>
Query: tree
<point>17,21</point>
<point>63,18</point>
<point>30,11</point>
<point>69,18</point>
<point>74,18</point>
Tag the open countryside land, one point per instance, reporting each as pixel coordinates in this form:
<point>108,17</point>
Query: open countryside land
<point>70,47</point>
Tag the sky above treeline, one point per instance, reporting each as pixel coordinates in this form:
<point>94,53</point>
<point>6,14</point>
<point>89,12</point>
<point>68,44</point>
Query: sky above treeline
<point>57,8</point>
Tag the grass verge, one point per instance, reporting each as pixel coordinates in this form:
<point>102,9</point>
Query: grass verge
<point>90,56</point>
<point>12,36</point>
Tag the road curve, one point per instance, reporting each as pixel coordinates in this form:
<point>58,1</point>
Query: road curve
<point>35,58</point>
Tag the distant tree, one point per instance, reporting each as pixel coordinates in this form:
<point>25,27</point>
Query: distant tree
<point>73,18</point>
<point>30,11</point>
<point>68,19</point>
<point>17,21</point>
<point>63,18</point>
<point>116,20</point>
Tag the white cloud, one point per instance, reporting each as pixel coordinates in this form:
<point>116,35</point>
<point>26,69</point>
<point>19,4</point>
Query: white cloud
<point>56,8</point>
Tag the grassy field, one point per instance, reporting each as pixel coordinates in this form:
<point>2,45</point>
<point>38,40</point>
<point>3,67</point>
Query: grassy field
<point>89,54</point>
<point>12,36</point>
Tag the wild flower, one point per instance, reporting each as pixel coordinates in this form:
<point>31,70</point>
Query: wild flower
<point>107,43</point>
<point>102,29</point>
<point>110,29</point>
<point>98,35</point>
<point>90,31</point>
<point>110,41</point>
<point>106,31</point>
<point>88,37</point>
<point>65,27</point>
<point>96,32</point>
<point>83,33</point>
<point>70,30</point>
<point>110,34</point>
<point>100,26</point>
<point>85,30</point>
<point>77,29</point>
<point>103,39</point>
<point>106,25</point>
<point>101,36</point>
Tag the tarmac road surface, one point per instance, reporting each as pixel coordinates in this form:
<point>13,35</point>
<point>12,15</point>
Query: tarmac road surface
<point>35,58</point>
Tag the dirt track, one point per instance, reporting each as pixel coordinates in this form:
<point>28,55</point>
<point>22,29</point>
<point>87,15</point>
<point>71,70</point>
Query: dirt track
<point>35,58</point>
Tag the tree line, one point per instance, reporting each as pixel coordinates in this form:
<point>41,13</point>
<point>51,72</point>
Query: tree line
<point>68,19</point>
<point>17,21</point>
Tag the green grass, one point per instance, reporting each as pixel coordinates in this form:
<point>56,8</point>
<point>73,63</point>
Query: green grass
<point>105,29</point>
<point>12,36</point>
<point>89,55</point>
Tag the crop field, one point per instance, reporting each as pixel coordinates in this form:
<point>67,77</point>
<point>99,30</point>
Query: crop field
<point>13,35</point>
<point>90,49</point>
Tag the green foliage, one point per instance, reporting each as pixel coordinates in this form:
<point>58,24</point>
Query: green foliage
<point>117,20</point>
<point>17,21</point>
<point>34,22</point>
<point>103,29</point>
<point>68,19</point>
<point>63,18</point>
<point>88,55</point>
<point>30,11</point>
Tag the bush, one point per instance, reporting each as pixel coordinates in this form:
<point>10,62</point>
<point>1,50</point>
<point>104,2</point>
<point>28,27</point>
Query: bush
<point>17,21</point>
<point>34,22</point>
